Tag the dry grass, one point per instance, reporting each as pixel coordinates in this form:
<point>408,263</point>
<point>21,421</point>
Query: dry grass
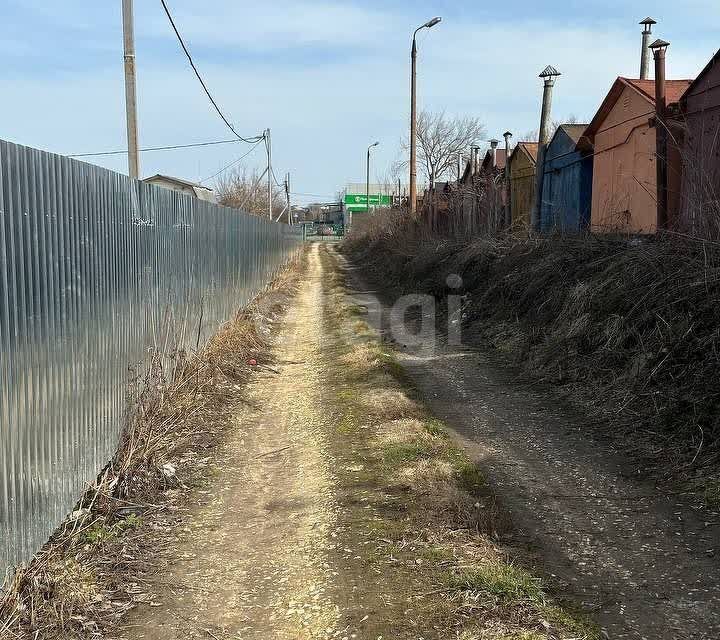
<point>628,326</point>
<point>92,570</point>
<point>388,404</point>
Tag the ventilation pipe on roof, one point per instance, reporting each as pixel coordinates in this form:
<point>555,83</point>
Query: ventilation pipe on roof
<point>645,52</point>
<point>659,47</point>
<point>474,152</point>
<point>493,151</point>
<point>508,214</point>
<point>548,75</point>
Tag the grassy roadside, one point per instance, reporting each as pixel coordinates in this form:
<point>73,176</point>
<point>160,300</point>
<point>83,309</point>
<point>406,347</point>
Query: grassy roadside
<point>99,563</point>
<point>419,522</point>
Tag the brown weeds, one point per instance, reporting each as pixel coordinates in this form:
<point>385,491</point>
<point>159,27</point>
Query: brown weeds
<point>628,326</point>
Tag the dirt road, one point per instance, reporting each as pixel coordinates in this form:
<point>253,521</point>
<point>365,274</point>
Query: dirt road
<point>252,560</point>
<point>339,508</point>
<point>645,563</point>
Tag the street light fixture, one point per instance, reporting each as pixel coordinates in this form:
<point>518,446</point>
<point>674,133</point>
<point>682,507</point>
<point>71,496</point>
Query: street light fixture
<point>413,113</point>
<point>367,182</point>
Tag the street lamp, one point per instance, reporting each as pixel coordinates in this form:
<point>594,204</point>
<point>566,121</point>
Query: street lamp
<point>367,182</point>
<point>413,112</point>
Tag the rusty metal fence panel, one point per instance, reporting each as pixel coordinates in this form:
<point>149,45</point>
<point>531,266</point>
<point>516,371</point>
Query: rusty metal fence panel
<point>95,270</point>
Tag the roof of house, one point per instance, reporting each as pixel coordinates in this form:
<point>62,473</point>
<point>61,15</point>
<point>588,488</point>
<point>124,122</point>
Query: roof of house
<point>713,61</point>
<point>674,89</point>
<point>574,131</point>
<point>499,159</point>
<point>201,191</point>
<point>645,88</point>
<point>529,148</point>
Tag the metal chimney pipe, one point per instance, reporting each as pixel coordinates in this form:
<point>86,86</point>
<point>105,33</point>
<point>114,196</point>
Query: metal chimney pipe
<point>548,75</point>
<point>493,151</point>
<point>659,47</point>
<point>508,211</point>
<point>644,53</point>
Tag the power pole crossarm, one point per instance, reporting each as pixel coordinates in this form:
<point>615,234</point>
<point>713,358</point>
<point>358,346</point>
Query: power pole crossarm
<point>130,89</point>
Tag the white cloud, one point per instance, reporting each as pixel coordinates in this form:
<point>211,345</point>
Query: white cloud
<point>269,26</point>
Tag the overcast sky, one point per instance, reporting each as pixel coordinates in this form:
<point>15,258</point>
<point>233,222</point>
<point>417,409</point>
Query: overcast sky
<point>327,77</point>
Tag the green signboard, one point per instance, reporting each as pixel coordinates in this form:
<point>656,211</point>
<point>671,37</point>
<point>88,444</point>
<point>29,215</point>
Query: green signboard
<point>358,201</point>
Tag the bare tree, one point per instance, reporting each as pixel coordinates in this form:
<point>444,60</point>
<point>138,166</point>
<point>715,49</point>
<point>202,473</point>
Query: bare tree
<point>441,139</point>
<point>248,191</point>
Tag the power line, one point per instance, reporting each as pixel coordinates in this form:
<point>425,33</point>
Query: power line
<point>175,146</point>
<point>233,163</point>
<point>272,169</point>
<point>312,195</point>
<point>202,82</point>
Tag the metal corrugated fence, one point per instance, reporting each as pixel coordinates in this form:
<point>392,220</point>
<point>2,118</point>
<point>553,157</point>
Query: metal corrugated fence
<point>95,270</point>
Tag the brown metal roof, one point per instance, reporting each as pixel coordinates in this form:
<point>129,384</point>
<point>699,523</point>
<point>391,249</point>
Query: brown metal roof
<point>674,89</point>
<point>531,148</point>
<point>574,131</point>
<point>646,88</point>
<point>499,159</point>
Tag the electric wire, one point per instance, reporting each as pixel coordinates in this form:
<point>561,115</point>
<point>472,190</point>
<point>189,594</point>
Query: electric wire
<point>232,164</point>
<point>166,148</point>
<point>202,82</point>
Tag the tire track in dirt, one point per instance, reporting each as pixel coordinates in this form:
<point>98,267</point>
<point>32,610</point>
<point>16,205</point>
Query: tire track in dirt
<point>644,563</point>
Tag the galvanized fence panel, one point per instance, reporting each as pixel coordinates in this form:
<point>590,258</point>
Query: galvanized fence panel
<point>95,270</point>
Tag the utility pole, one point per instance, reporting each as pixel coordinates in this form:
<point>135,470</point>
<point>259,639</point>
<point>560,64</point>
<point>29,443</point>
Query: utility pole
<point>287,198</point>
<point>268,145</point>
<point>130,89</point>
<point>548,75</point>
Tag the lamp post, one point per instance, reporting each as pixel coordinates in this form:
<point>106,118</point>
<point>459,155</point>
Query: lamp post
<point>367,181</point>
<point>413,113</point>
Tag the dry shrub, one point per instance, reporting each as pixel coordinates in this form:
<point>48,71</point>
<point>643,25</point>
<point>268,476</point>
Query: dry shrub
<point>87,575</point>
<point>629,326</point>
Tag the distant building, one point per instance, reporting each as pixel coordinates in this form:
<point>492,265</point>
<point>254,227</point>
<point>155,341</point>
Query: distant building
<point>700,110</point>
<point>567,186</point>
<point>523,160</point>
<point>183,186</point>
<point>624,193</point>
